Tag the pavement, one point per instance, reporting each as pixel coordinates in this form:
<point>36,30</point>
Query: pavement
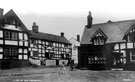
<point>52,74</point>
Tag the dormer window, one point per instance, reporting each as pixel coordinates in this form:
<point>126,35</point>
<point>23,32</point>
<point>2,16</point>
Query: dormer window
<point>99,38</point>
<point>130,37</point>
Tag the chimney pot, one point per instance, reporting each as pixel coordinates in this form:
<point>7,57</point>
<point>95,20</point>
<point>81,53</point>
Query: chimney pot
<point>1,12</point>
<point>35,27</point>
<point>89,20</point>
<point>78,38</point>
<point>62,34</point>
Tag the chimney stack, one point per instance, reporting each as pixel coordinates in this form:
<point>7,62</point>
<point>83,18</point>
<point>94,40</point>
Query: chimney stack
<point>78,38</point>
<point>89,20</point>
<point>1,12</point>
<point>35,27</point>
<point>62,34</point>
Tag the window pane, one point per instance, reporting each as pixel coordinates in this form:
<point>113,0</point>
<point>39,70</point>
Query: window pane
<point>7,35</point>
<point>25,57</point>
<point>10,52</point>
<point>133,57</point>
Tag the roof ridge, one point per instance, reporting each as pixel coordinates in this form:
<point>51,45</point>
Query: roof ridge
<point>114,22</point>
<point>48,33</point>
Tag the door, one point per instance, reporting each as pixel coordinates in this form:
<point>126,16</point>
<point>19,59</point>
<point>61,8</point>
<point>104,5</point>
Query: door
<point>117,60</point>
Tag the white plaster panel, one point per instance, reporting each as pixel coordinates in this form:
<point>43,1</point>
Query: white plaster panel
<point>1,41</point>
<point>122,46</point>
<point>20,36</point>
<point>39,54</point>
<point>25,51</point>
<point>34,49</point>
<point>1,49</point>
<point>39,41</point>
<point>25,37</point>
<point>47,51</point>
<point>31,53</point>
<point>20,50</point>
<point>1,33</point>
<point>39,46</point>
<point>21,43</point>
<point>129,45</point>
<point>12,27</point>
<point>116,46</point>
<point>1,56</point>
<point>31,45</point>
<point>11,42</point>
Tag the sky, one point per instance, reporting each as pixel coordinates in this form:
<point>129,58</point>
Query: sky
<point>68,16</point>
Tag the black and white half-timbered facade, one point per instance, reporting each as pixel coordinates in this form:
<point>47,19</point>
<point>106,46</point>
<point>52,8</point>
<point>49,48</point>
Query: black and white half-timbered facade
<point>109,45</point>
<point>48,49</point>
<point>13,41</point>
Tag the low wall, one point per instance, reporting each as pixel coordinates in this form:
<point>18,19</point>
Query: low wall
<point>65,61</point>
<point>50,62</point>
<point>35,61</point>
<point>8,64</point>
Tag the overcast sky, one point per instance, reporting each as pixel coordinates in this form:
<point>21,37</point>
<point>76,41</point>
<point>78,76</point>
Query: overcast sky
<point>69,16</point>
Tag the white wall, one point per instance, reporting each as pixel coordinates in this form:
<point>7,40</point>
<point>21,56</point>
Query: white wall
<point>75,43</point>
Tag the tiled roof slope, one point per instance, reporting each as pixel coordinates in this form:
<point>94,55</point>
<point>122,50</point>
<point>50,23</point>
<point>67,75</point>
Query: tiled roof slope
<point>49,37</point>
<point>114,31</point>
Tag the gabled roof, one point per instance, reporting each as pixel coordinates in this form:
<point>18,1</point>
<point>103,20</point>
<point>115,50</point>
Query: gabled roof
<point>49,37</point>
<point>99,31</point>
<point>12,15</point>
<point>115,31</point>
<point>73,41</point>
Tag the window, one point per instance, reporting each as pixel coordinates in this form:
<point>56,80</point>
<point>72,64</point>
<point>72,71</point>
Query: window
<point>132,55</point>
<point>67,56</point>
<point>50,43</point>
<point>131,36</point>
<point>35,53</point>
<point>10,35</point>
<point>10,53</point>
<point>99,41</point>
<point>62,56</point>
<point>47,55</point>
<point>66,45</point>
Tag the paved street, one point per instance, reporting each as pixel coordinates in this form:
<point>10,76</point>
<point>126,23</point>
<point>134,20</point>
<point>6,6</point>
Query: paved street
<point>52,75</point>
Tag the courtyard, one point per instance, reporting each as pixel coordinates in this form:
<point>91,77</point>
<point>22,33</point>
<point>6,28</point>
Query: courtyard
<point>52,74</point>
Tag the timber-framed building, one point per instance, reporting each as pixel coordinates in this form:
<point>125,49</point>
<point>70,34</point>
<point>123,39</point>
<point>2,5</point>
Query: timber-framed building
<point>50,49</point>
<point>14,42</point>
